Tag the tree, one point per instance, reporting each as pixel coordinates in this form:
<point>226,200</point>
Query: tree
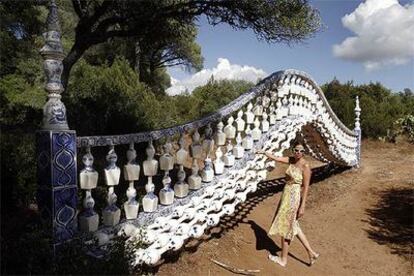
<point>19,21</point>
<point>156,53</point>
<point>150,55</point>
<point>380,106</point>
<point>273,21</point>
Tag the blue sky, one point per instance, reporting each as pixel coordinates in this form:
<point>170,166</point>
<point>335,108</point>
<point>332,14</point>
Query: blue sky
<point>315,56</point>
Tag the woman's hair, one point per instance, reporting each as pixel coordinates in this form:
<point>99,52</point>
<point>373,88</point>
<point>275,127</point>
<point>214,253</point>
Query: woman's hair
<point>297,144</point>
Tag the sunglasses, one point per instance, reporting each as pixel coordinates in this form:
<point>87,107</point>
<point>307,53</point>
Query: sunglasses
<point>299,150</point>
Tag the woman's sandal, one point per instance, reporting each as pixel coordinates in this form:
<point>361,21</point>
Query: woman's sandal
<point>313,259</point>
<point>277,260</point>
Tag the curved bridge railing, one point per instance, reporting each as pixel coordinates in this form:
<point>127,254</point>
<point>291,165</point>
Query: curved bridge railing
<point>224,166</point>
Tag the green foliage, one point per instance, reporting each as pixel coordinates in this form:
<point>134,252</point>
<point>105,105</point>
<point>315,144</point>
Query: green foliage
<point>21,102</point>
<point>110,100</point>
<point>404,126</point>
<point>20,116</point>
<point>215,94</point>
<point>380,107</point>
<point>31,253</point>
<point>19,21</point>
<point>107,99</point>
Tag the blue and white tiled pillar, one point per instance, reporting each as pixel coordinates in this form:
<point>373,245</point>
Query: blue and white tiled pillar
<point>56,145</point>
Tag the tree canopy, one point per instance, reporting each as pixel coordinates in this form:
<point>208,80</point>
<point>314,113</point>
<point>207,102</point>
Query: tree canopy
<point>152,35</point>
<point>99,21</point>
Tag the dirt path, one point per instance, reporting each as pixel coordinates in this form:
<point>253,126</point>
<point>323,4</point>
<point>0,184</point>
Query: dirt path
<point>361,221</point>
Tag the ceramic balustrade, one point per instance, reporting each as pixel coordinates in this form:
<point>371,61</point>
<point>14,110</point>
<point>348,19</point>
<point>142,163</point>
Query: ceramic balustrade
<point>277,117</point>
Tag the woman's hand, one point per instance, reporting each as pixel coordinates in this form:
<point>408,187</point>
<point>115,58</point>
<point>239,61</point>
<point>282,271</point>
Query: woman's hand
<point>301,212</point>
<point>277,157</point>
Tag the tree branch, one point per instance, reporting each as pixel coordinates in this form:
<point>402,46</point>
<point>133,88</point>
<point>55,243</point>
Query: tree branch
<point>77,7</point>
<point>98,12</point>
<point>106,23</point>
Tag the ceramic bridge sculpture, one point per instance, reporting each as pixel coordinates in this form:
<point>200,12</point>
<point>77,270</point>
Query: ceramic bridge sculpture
<point>225,166</point>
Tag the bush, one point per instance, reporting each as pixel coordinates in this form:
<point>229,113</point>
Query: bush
<point>20,116</point>
<point>380,107</point>
<point>403,126</point>
<point>31,253</point>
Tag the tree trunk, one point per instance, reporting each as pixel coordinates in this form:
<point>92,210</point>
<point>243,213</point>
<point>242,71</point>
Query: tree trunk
<point>137,57</point>
<point>73,56</point>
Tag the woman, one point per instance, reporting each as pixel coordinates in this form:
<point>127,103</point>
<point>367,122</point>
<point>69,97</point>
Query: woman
<point>292,204</point>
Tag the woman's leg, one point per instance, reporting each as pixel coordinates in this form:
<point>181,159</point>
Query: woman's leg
<point>285,250</point>
<point>306,244</point>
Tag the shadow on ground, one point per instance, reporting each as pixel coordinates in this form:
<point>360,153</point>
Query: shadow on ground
<point>392,221</point>
<point>264,190</point>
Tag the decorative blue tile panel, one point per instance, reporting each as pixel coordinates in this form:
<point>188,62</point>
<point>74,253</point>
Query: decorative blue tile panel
<point>57,192</point>
<point>64,159</point>
<point>65,222</point>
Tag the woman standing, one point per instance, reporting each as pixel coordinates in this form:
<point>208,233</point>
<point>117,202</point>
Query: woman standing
<point>292,204</point>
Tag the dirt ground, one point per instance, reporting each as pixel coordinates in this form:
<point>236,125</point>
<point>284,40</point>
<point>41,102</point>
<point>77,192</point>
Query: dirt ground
<point>360,221</point>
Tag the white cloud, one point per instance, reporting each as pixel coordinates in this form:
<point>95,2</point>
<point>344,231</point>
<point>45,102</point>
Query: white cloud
<point>223,70</point>
<point>384,34</point>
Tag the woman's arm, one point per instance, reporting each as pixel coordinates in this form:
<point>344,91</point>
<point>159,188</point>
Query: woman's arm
<point>306,181</point>
<point>276,158</point>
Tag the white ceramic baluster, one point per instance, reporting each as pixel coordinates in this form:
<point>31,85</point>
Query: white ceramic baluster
<point>301,106</point>
<point>150,200</point>
<point>166,164</point>
<point>194,181</point>
<point>181,187</point>
<point>230,132</point>
<point>218,163</point>
<point>207,174</point>
<point>240,123</point>
<point>131,174</point>
<point>111,214</point>
<point>265,101</point>
<point>291,109</point>
<point>220,137</point>
<point>285,107</point>
<point>228,158</point>
<point>256,132</point>
<point>208,143</point>
<point>247,142</point>
<point>238,150</point>
<point>272,115</point>
<point>88,219</point>
<point>279,112</point>
<point>265,122</point>
<point>249,114</point>
<point>258,108</point>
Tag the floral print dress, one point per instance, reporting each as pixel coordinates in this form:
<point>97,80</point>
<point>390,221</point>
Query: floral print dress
<point>285,223</point>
